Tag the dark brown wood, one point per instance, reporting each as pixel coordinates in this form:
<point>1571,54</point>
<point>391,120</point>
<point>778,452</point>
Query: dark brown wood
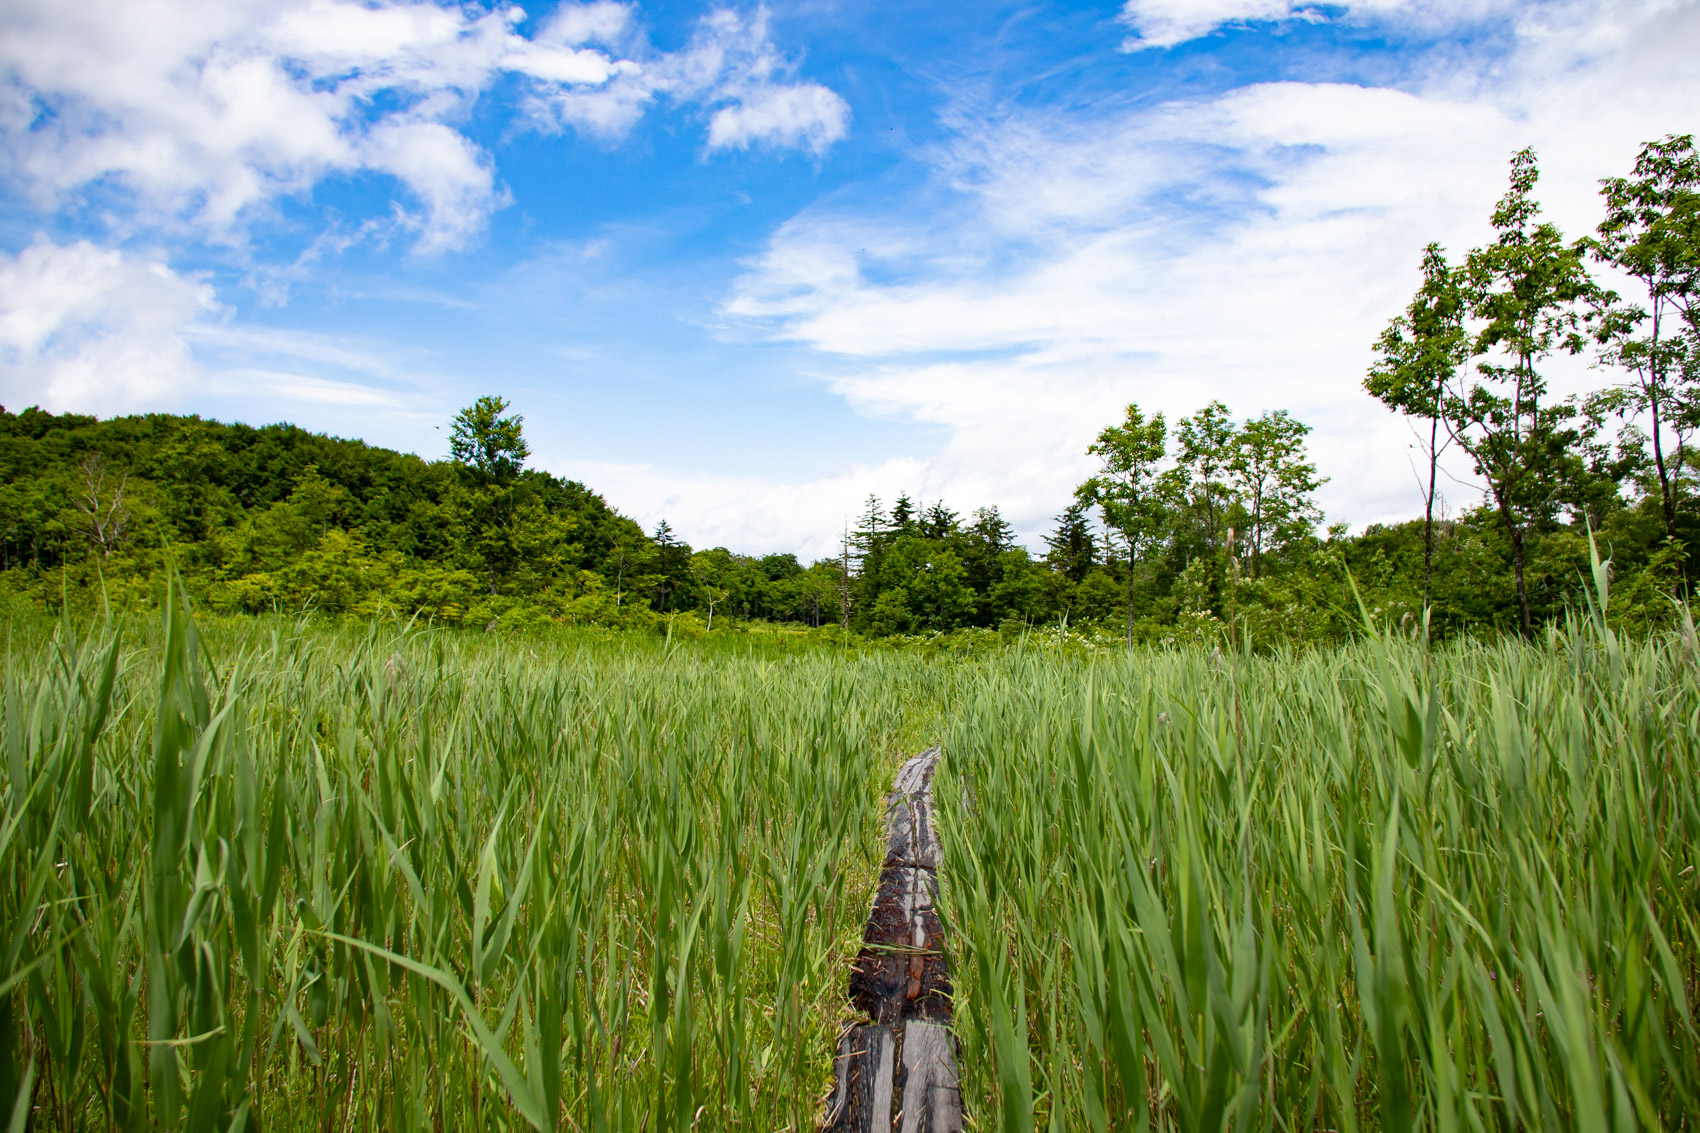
<point>896,1067</point>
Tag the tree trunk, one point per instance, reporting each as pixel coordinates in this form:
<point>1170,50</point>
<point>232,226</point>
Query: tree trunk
<point>1428,504</point>
<point>1130,594</point>
<point>1667,505</point>
<point>1522,588</point>
<point>1515,534</point>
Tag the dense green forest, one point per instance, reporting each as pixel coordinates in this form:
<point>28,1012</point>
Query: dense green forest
<point>1184,532</point>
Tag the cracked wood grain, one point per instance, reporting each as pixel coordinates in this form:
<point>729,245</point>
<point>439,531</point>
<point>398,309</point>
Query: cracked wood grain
<point>896,1067</point>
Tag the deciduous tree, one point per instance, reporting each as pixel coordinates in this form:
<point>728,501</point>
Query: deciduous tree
<point>1523,293</point>
<point>1417,357</point>
<point>488,442</point>
<point>1125,489</point>
<point>1651,233</point>
<point>1275,481</point>
<point>1206,442</point>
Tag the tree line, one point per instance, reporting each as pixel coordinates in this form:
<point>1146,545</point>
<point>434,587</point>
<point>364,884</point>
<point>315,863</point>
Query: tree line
<point>1467,359</point>
<point>1196,530</point>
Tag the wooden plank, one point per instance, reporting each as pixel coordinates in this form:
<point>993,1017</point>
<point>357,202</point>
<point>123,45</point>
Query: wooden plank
<point>863,1079</point>
<point>932,1097</point>
<point>901,983</point>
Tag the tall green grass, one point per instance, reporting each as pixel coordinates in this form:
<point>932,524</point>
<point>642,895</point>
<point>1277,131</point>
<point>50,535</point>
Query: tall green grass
<point>309,878</point>
<point>293,876</point>
<point>1382,887</point>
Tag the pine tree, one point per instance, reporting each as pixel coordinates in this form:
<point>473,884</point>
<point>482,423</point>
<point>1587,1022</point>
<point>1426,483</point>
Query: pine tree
<point>1073,547</point>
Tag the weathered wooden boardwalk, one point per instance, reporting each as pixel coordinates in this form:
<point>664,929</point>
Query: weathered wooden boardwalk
<point>896,1066</point>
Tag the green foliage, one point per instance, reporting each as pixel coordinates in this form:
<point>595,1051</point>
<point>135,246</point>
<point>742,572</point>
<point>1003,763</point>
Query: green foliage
<point>490,444</point>
<point>1126,490</point>
<point>1524,293</point>
<point>1389,886</point>
<point>1073,549</point>
<point>272,874</point>
<point>1417,360</point>
<point>1274,481</point>
<point>1651,233</point>
<point>278,518</point>
<point>1467,357</point>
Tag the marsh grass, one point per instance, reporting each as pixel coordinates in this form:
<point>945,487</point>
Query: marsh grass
<point>388,878</point>
<point>1379,887</point>
<point>295,876</point>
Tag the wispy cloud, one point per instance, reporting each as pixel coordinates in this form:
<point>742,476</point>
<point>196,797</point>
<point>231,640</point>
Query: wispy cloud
<point>730,65</point>
<point>306,388</point>
<point>1166,23</point>
<point>1247,247</point>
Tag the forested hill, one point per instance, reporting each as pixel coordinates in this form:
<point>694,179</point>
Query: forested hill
<point>277,518</point>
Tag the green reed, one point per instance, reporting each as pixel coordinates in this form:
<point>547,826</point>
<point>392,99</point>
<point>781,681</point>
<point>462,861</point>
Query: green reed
<point>1380,887</point>
<point>295,876</point>
<point>393,879</point>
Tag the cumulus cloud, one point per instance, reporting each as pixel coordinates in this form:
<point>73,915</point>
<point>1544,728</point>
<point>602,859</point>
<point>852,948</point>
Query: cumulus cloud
<point>87,329</point>
<point>207,111</point>
<point>601,21</point>
<point>806,114</point>
<point>444,170</point>
<point>94,330</point>
<point>1247,247</point>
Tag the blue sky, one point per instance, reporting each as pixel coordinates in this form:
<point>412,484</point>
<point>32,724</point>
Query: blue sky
<point>741,265</point>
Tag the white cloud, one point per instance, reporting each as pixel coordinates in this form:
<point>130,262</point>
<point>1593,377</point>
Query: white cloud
<point>746,514</point>
<point>298,388</point>
<point>1165,23</point>
<point>1247,247</point>
<point>321,381</point>
<point>208,111</point>
<point>601,21</point>
<point>92,330</point>
<point>730,64</point>
<point>806,114</point>
<point>444,170</point>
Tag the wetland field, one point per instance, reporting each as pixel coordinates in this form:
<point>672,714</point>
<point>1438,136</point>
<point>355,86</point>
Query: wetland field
<point>275,874</point>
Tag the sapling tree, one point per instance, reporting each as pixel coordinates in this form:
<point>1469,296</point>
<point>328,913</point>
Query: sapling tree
<point>1651,234</point>
<point>1523,294</point>
<point>1206,451</point>
<point>1274,482</point>
<point>1126,489</point>
<point>1417,358</point>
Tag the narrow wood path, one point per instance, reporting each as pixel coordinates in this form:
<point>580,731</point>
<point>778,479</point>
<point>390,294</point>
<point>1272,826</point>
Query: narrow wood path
<point>896,1065</point>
